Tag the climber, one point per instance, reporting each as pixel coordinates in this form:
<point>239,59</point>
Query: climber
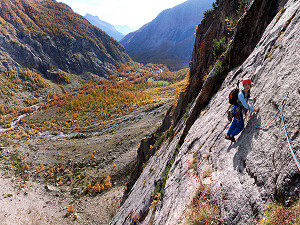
<point>237,124</point>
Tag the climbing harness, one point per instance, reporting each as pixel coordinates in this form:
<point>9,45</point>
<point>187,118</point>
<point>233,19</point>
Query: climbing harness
<point>234,101</point>
<point>280,109</point>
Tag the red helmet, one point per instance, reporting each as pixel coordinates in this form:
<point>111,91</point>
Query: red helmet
<point>246,81</point>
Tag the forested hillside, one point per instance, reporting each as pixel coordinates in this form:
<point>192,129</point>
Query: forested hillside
<point>48,36</point>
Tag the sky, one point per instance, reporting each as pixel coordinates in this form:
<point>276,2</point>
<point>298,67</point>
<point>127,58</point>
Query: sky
<point>134,13</point>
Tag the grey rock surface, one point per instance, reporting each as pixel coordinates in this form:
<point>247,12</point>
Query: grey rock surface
<point>250,174</point>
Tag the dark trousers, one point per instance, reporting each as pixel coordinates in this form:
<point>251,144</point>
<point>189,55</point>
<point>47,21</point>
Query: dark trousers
<point>237,124</point>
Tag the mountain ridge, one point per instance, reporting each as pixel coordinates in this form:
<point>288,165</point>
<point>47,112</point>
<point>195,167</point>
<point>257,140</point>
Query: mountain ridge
<point>124,29</point>
<point>169,38</point>
<point>46,34</point>
<point>105,26</point>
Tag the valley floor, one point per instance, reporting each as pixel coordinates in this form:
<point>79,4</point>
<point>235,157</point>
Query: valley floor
<point>49,177</point>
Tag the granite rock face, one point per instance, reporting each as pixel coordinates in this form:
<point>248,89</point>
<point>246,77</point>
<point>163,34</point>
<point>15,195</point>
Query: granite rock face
<point>249,174</point>
<point>249,32</point>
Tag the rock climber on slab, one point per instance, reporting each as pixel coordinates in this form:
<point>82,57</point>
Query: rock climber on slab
<point>237,124</point>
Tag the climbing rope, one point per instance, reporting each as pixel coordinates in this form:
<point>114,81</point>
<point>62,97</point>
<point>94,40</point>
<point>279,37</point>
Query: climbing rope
<point>282,105</point>
<point>280,109</point>
<point>267,124</point>
<point>287,137</point>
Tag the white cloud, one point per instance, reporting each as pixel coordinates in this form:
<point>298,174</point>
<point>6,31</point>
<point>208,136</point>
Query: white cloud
<point>133,13</point>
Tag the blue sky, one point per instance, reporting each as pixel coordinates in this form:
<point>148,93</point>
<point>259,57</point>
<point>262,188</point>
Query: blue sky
<point>134,13</point>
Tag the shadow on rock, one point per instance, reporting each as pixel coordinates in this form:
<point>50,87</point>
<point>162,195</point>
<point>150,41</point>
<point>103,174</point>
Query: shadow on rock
<point>244,144</point>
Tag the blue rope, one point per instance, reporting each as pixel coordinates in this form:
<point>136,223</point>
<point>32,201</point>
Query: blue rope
<point>262,127</point>
<point>286,134</point>
<point>287,137</point>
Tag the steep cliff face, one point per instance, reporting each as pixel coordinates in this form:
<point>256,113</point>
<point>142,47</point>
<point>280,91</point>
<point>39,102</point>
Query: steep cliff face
<point>213,26</point>
<point>248,175</point>
<point>47,35</point>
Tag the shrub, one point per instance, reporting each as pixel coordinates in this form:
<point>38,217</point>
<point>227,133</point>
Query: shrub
<point>187,110</point>
<point>219,47</point>
<point>170,133</point>
<point>278,214</point>
<point>31,100</point>
<point>241,9</point>
<point>281,11</point>
<point>215,4</point>
<point>202,210</point>
<point>107,182</point>
<point>230,25</point>
<point>166,173</point>
<point>208,12</point>
<point>218,69</point>
<point>207,173</point>
<point>2,110</point>
<point>63,78</point>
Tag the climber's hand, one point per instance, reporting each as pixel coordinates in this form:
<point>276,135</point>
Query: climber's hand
<point>257,109</point>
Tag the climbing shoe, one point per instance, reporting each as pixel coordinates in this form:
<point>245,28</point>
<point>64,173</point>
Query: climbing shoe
<point>231,138</point>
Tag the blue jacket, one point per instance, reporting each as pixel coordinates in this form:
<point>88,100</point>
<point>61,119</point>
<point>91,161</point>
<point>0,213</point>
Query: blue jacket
<point>243,101</point>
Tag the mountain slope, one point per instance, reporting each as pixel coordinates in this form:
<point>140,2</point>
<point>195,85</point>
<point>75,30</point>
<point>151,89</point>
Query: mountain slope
<point>169,38</point>
<point>47,35</point>
<point>244,178</point>
<point>107,27</point>
<point>124,29</point>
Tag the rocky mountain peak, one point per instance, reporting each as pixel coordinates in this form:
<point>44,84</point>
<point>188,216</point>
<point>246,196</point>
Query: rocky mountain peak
<point>107,27</point>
